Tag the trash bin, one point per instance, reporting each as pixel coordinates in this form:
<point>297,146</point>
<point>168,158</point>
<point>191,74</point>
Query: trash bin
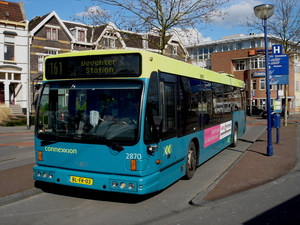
<point>275,120</point>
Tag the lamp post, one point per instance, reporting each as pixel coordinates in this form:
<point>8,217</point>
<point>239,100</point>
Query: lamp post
<point>264,12</point>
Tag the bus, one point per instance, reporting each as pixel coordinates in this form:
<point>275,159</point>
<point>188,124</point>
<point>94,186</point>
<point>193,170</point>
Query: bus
<point>131,121</point>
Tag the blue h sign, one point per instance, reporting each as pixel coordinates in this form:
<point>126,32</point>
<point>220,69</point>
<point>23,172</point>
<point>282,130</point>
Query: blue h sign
<point>277,49</point>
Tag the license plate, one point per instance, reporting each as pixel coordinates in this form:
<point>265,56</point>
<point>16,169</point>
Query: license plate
<point>81,180</point>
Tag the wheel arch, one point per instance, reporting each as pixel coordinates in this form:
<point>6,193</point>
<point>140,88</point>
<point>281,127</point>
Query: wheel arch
<point>197,145</point>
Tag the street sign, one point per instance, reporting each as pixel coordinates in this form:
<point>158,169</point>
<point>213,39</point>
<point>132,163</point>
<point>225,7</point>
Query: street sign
<point>277,106</point>
<point>279,69</point>
<point>259,74</point>
<point>277,49</point>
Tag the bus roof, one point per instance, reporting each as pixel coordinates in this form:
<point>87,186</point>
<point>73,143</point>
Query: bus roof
<point>157,62</point>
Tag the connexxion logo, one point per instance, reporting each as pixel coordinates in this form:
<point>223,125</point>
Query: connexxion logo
<point>61,150</point>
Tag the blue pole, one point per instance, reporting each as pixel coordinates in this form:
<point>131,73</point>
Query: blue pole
<point>269,125</point>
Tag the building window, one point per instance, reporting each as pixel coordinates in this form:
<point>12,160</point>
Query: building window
<point>81,35</point>
<point>40,63</point>
<point>52,52</point>
<point>206,55</point>
<point>232,46</point>
<point>9,48</point>
<point>280,86</point>
<point>174,49</point>
<point>257,63</point>
<point>193,53</point>
<point>109,42</point>
<point>262,103</point>
<point>297,86</point>
<point>219,48</point>
<point>52,33</point>
<point>246,44</point>
<point>239,45</point>
<point>200,53</point>
<point>253,84</point>
<point>239,65</point>
<point>262,84</point>
<point>225,47</point>
<point>258,43</point>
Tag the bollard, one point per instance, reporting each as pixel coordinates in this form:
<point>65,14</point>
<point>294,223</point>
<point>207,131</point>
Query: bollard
<point>276,124</point>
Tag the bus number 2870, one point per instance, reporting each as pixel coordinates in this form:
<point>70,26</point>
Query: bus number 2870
<point>133,156</point>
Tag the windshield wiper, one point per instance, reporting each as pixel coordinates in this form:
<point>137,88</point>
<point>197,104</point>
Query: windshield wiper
<point>110,144</point>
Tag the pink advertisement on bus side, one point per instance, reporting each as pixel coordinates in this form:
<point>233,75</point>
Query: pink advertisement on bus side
<point>216,133</point>
<point>211,135</point>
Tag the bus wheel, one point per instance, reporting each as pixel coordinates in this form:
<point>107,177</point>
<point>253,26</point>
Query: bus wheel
<point>234,137</point>
<point>191,161</point>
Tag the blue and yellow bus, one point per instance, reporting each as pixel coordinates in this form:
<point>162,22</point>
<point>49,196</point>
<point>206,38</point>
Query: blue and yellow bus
<point>131,121</point>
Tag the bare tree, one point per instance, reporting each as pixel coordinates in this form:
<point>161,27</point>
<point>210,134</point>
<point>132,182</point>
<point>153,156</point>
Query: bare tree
<point>158,17</point>
<point>284,25</point>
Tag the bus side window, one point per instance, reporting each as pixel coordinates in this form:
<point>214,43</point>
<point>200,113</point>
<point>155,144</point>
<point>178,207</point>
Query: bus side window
<point>169,107</point>
<point>152,109</point>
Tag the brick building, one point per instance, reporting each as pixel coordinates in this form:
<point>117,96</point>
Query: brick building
<point>243,56</point>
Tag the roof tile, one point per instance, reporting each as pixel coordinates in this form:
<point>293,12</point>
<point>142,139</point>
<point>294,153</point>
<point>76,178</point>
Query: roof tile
<point>11,11</point>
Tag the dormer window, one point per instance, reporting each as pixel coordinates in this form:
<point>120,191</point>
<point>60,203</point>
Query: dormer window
<point>79,33</point>
<point>109,40</point>
<point>174,50</point>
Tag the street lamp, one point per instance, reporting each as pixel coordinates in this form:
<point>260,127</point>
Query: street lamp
<point>264,12</point>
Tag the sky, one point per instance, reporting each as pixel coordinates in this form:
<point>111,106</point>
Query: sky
<point>237,10</point>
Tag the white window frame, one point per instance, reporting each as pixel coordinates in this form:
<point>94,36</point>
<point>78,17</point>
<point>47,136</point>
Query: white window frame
<point>109,41</point>
<point>239,65</point>
<point>262,84</point>
<point>40,62</point>
<point>76,32</point>
<point>52,32</point>
<point>254,85</point>
<point>9,41</point>
<point>174,49</point>
<point>81,35</point>
<point>257,63</point>
<point>52,51</point>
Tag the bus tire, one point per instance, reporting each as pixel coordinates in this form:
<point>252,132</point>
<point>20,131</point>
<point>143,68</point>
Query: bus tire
<point>191,161</point>
<point>234,136</point>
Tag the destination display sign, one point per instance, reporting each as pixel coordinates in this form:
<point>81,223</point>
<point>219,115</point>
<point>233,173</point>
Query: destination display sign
<point>119,65</point>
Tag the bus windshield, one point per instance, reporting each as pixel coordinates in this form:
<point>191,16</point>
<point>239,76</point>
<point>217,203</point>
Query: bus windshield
<point>90,112</point>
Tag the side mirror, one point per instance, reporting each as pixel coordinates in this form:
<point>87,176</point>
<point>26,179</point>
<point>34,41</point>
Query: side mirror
<point>37,86</point>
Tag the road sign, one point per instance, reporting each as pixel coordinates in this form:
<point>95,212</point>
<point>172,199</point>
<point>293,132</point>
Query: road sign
<point>279,69</point>
<point>277,49</point>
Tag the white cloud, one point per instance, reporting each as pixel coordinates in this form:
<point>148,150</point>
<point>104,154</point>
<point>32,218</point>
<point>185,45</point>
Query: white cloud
<point>190,36</point>
<point>236,12</point>
<point>93,10</point>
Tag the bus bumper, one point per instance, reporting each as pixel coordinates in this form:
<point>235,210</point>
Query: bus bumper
<point>98,181</point>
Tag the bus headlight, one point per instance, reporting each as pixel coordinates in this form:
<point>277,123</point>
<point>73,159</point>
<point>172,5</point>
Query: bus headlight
<point>122,185</point>
<point>115,184</point>
<point>130,186</point>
